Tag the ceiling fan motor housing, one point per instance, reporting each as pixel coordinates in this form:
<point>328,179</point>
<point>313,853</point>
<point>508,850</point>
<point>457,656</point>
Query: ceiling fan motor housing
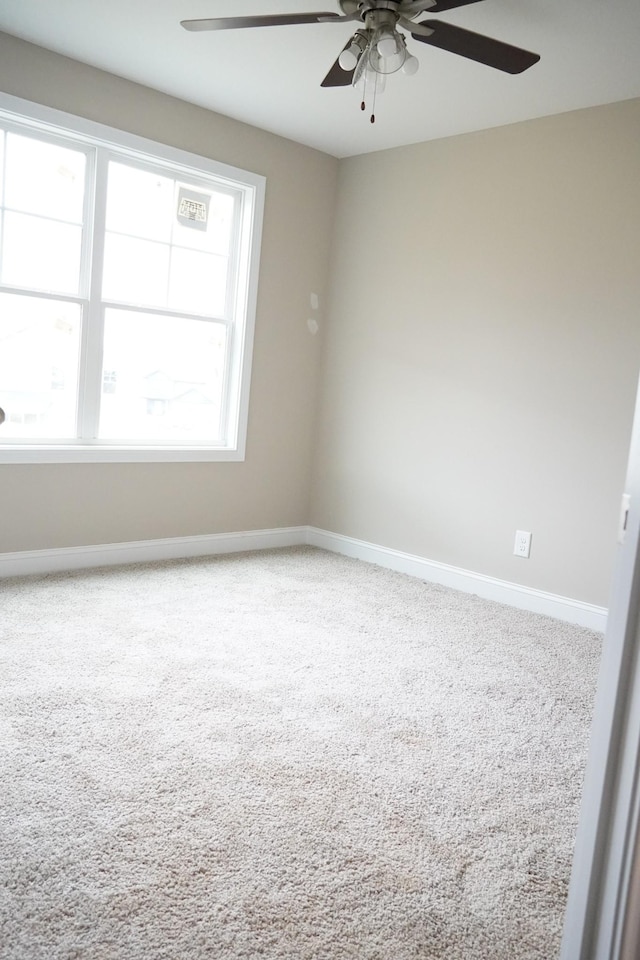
<point>408,9</point>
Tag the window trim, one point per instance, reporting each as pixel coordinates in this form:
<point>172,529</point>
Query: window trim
<point>56,123</point>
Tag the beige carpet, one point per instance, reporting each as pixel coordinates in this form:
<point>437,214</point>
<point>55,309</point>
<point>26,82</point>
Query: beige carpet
<point>284,755</point>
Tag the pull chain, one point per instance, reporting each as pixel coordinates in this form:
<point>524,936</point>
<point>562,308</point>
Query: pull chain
<point>363,105</point>
<point>375,91</point>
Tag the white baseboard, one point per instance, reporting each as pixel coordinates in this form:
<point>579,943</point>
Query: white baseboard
<point>142,551</point>
<point>511,594</point>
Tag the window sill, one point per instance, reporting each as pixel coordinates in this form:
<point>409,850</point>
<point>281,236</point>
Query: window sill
<point>76,453</point>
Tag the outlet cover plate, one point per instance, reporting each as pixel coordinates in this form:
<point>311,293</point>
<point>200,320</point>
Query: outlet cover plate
<point>522,545</point>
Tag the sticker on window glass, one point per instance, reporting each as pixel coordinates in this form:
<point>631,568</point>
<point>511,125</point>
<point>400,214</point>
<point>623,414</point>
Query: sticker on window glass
<point>193,209</point>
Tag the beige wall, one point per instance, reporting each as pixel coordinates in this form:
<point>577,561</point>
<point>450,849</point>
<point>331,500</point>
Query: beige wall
<point>483,348</point>
<point>50,506</point>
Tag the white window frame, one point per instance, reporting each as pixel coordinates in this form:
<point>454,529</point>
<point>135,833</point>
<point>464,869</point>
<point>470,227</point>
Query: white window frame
<point>54,124</point>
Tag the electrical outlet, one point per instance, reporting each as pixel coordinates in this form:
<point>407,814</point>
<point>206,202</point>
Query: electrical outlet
<point>522,546</point>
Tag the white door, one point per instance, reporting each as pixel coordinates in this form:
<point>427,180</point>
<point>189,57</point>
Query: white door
<point>602,919</point>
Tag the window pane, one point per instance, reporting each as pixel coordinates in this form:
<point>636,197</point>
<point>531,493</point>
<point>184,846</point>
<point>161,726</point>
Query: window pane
<point>135,271</point>
<point>41,254</point>
<point>44,178</point>
<point>162,378</point>
<point>39,347</point>
<point>139,203</point>
<point>197,282</point>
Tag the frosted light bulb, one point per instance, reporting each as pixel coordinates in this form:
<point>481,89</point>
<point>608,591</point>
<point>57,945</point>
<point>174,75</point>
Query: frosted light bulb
<point>349,57</point>
<point>410,66</point>
<point>387,46</point>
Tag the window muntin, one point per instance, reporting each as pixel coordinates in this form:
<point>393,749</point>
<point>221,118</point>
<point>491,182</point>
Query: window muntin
<point>154,262</point>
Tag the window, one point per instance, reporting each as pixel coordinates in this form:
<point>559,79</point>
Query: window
<point>128,276</point>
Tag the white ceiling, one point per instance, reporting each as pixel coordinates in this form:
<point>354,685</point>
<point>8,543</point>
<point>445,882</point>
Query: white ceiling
<point>270,77</point>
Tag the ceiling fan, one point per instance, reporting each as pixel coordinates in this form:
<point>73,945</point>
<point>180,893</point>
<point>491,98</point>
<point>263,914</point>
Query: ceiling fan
<point>378,47</point>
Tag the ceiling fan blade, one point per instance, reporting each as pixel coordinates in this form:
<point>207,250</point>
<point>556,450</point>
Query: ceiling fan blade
<point>337,77</point>
<point>270,20</point>
<point>441,5</point>
<point>475,46</point>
